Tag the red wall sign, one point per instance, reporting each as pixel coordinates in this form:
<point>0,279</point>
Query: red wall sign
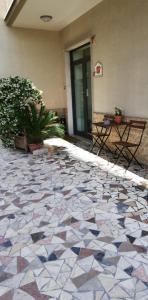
<point>98,69</point>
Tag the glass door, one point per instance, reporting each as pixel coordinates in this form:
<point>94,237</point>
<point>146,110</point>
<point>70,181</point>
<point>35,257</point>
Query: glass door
<point>81,90</point>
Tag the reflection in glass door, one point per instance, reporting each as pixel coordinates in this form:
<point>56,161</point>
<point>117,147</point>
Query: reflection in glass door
<point>81,90</point>
<point>79,99</point>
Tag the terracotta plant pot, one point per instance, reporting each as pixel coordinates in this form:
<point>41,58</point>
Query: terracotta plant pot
<point>33,147</point>
<point>54,149</point>
<point>118,119</point>
<point>21,142</point>
<point>50,149</point>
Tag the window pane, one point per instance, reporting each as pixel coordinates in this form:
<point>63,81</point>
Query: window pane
<point>79,99</point>
<point>81,52</point>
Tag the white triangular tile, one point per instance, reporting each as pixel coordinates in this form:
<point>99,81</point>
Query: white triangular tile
<point>41,282</point>
<point>28,277</point>
<point>70,287</point>
<point>77,271</point>
<point>86,263</point>
<point>65,296</point>
<point>120,274</point>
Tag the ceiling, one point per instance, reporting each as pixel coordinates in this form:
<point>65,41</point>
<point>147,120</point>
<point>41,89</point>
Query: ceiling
<point>63,12</point>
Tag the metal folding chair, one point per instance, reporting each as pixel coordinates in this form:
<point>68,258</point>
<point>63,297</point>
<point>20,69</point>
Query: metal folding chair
<point>100,137</point>
<point>128,147</point>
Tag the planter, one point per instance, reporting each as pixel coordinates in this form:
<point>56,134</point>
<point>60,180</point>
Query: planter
<point>33,147</point>
<point>52,149</point>
<point>55,149</point>
<point>21,142</point>
<point>118,119</point>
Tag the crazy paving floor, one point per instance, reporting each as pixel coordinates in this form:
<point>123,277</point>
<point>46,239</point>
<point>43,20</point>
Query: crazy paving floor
<point>70,231</point>
<point>134,167</point>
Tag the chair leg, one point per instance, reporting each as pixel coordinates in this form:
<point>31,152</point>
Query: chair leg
<point>103,143</point>
<point>120,153</point>
<point>134,158</point>
<point>129,160</point>
<point>92,145</point>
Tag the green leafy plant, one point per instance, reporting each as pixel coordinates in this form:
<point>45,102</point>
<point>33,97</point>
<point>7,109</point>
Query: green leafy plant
<point>15,94</point>
<point>118,111</point>
<point>39,123</point>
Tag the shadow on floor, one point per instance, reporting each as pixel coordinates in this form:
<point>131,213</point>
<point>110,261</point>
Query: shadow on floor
<point>85,144</point>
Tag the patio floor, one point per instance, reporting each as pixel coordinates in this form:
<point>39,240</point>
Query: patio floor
<point>70,229</point>
<point>134,167</point>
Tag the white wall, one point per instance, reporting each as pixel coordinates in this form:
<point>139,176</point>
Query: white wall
<point>4,7</point>
<point>36,55</point>
<point>121,44</point>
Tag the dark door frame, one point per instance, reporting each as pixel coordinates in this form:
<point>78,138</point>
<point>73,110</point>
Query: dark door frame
<point>73,63</point>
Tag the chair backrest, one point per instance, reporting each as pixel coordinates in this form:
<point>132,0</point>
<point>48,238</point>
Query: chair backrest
<point>109,117</point>
<point>138,124</point>
<point>138,135</point>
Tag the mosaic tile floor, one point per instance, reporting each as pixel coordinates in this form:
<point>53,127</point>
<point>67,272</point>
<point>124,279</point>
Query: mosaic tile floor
<point>85,144</point>
<point>70,231</point>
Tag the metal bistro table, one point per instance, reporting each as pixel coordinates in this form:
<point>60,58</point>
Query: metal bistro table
<point>103,132</point>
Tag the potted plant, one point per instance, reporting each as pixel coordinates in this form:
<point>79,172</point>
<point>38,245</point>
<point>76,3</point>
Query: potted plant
<point>21,142</point>
<point>118,115</point>
<point>39,124</point>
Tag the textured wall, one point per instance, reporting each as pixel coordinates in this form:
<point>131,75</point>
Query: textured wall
<point>36,55</point>
<point>121,44</point>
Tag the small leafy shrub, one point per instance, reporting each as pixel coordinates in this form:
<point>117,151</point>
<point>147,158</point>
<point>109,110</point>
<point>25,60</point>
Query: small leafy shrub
<point>39,123</point>
<point>15,95</point>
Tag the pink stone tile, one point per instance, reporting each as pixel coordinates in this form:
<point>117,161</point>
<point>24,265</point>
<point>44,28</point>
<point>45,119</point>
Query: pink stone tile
<point>140,274</point>
<point>5,260</point>
<point>85,252</point>
<point>76,225</point>
<point>32,289</point>
<point>45,241</point>
<point>2,240</point>
<point>22,263</point>
<point>62,235</point>
<point>7,296</point>
<point>99,223</point>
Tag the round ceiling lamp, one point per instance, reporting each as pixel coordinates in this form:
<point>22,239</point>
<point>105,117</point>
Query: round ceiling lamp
<point>46,18</point>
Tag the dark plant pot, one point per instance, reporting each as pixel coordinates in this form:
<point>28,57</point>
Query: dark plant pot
<point>33,147</point>
<point>21,142</point>
<point>118,119</point>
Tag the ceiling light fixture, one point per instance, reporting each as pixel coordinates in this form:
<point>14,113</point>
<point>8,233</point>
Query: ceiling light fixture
<point>46,18</point>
